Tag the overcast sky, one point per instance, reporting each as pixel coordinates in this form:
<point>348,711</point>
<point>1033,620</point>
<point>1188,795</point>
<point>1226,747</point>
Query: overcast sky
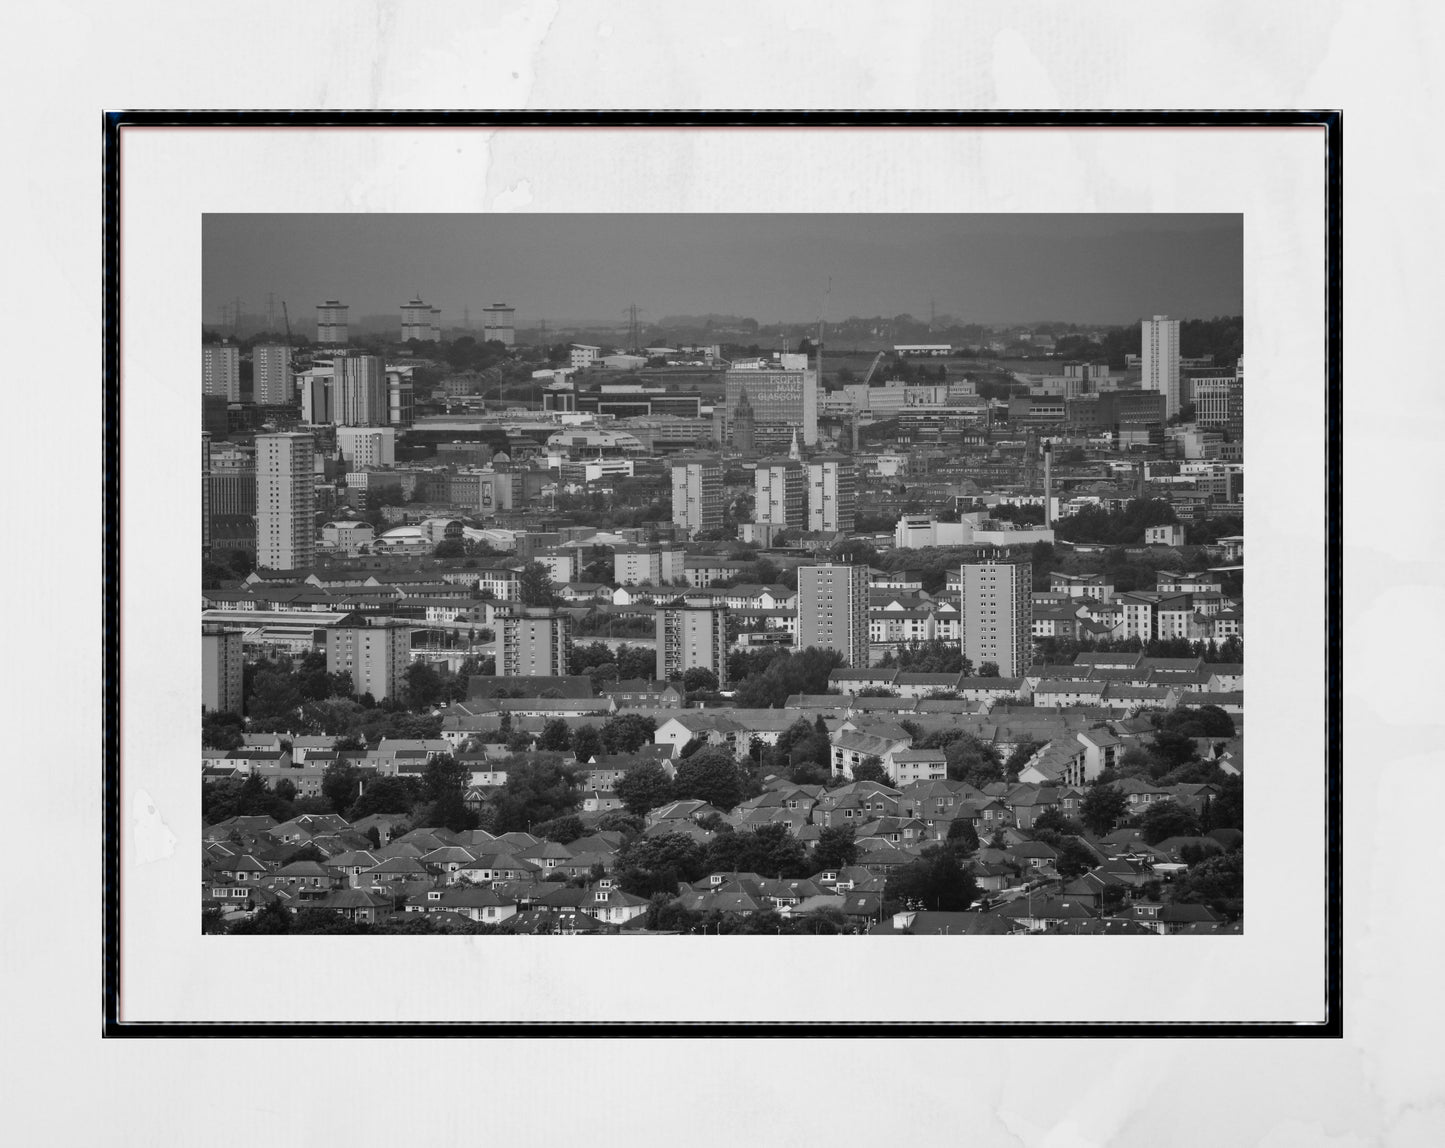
<point>774,268</point>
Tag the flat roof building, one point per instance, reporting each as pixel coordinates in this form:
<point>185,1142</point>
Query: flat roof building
<point>833,610</point>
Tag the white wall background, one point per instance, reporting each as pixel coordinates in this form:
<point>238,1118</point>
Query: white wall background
<point>1381,1084</point>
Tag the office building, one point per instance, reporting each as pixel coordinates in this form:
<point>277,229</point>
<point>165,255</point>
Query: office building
<point>331,324</point>
<point>536,643</point>
<point>692,634</point>
<point>780,494</point>
<point>780,402</point>
<point>359,391</point>
<point>230,481</point>
<point>285,501</point>
<point>1160,358</point>
<point>221,370</point>
<point>833,610</point>
<point>1219,402</point>
<point>499,324</point>
<point>222,666</point>
<point>995,614</point>
<point>417,322</point>
<point>367,446</point>
<point>697,486</point>
<point>272,384</point>
<point>376,657</point>
<point>832,492</point>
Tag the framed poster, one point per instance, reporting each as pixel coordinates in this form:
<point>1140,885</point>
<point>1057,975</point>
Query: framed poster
<point>1043,183</point>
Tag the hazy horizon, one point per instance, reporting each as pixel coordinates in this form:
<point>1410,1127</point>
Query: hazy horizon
<point>989,269</point>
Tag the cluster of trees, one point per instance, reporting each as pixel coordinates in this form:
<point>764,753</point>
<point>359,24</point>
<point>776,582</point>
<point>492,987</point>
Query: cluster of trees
<point>665,914</point>
<point>767,676</point>
<point>651,865</point>
<point>622,733</point>
<point>607,625</point>
<point>602,663</point>
<point>301,697</point>
<point>1063,650</point>
<point>1065,836</point>
<point>1094,524</point>
<point>1216,881</point>
<point>938,656</point>
<point>215,574</point>
<point>1172,754</point>
<point>803,752</point>
<point>709,774</point>
<point>939,880</point>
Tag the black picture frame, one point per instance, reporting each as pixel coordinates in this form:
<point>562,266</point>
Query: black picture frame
<point>113,124</point>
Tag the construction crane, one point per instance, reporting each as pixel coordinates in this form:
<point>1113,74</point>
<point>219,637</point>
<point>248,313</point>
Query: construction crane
<point>868,378</point>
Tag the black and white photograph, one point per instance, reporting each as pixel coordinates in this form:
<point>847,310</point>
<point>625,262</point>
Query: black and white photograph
<point>777,575</point>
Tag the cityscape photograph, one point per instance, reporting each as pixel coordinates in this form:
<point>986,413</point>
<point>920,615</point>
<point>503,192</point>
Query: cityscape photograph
<point>722,574</point>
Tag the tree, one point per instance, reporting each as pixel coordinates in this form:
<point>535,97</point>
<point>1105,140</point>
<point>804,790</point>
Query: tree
<point>586,743</point>
<point>340,782</point>
<point>222,730</point>
<point>1101,809</point>
<point>564,830</point>
<point>423,686</point>
<point>269,919</point>
<point>534,586</point>
<point>644,788</point>
<point>1133,762</point>
<point>710,775</point>
<point>628,732</point>
<point>1205,721</point>
<point>1166,819</point>
<point>555,736</point>
<point>988,670</point>
<point>1052,821</point>
<point>385,795</point>
<point>770,850</point>
<point>1020,756</point>
<point>1227,810</point>
<point>1171,749</point>
<point>938,880</point>
<point>973,761</point>
<point>651,865</point>
<point>1074,858</point>
<point>835,847</point>
<point>537,790</point>
<point>628,824</point>
<point>286,789</point>
<point>442,777</point>
<point>699,678</point>
<point>1217,881</point>
<point>871,771</point>
<point>962,835</point>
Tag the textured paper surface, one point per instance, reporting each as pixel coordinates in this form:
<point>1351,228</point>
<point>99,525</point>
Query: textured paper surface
<point>1381,1084</point>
